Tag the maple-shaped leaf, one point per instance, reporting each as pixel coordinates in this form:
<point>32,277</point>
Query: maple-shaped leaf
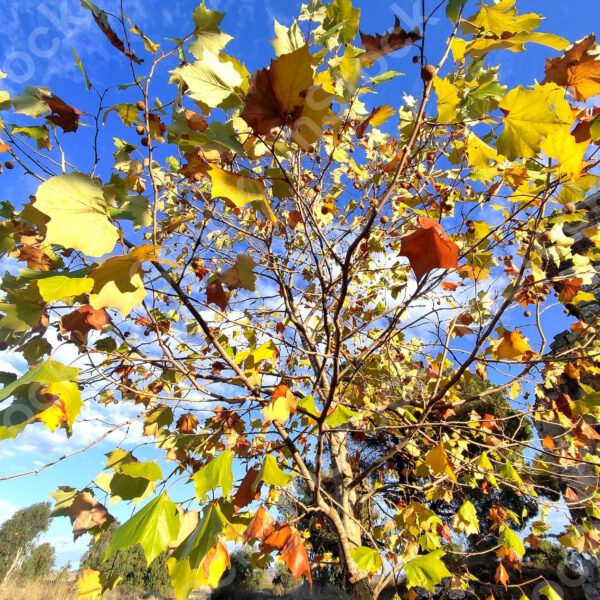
<point>260,526</point>
<point>215,294</point>
<point>63,115</point>
<point>295,557</point>
<point>79,214</point>
<point>247,492</point>
<point>101,19</point>
<point>379,45</point>
<point>89,585</point>
<point>437,460</point>
<point>578,68</point>
<point>63,402</point>
<point>82,508</point>
<point>428,248</point>
<point>276,94</point>
<point>240,275</point>
<point>501,575</point>
<point>511,346</point>
<point>83,320</point>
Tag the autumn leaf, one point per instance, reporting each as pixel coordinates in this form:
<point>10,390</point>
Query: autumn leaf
<point>437,460</point>
<point>379,45</point>
<point>512,346</point>
<point>63,115</point>
<point>260,526</point>
<point>79,214</point>
<point>428,248</point>
<point>83,320</point>
<point>501,575</point>
<point>101,19</point>
<point>283,403</point>
<point>247,492</point>
<point>378,116</point>
<point>569,289</point>
<point>215,294</point>
<point>89,586</point>
<point>578,69</point>
<point>240,275</point>
<point>84,511</point>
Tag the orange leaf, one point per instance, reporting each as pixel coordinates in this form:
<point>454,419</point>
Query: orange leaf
<point>450,286</point>
<point>83,320</point>
<point>245,494</point>
<point>295,557</point>
<point>569,289</point>
<point>548,443</point>
<point>501,575</point>
<point>260,527</point>
<point>429,247</point>
<point>578,69</point>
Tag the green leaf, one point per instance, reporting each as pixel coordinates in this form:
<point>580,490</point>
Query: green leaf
<point>38,133</point>
<point>128,113</point>
<point>88,83</point>
<point>339,416</point>
<point>511,541</point>
<point>271,474</point>
<point>195,547</point>
<point>154,527</point>
<point>453,9</point>
<point>367,559</point>
<point>78,214</point>
<point>426,571</point>
<point>63,286</point>
<point>466,520</point>
<point>216,473</point>
<point>31,102</point>
<point>144,470</point>
<point>208,35</point>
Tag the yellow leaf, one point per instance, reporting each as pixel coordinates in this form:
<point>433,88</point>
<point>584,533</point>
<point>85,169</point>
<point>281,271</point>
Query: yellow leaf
<point>448,99</point>
<point>437,460</point>
<point>78,212</point>
<point>65,403</point>
<point>117,281</point>
<point>283,403</point>
<point>307,129</point>
<point>89,585</point>
<point>531,116</point>
<point>239,190</point>
<point>562,146</point>
<point>512,346</point>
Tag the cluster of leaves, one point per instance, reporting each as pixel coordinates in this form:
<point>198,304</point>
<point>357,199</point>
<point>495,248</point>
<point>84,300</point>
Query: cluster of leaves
<point>287,282</point>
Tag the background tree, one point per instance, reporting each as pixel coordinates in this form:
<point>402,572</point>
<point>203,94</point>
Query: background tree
<point>18,537</point>
<point>39,562</point>
<point>292,281</point>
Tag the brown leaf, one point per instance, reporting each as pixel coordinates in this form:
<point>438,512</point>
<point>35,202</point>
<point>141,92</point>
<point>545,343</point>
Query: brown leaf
<point>101,20</point>
<point>63,114</point>
<point>450,286</point>
<point>35,257</point>
<point>429,247</point>
<point>187,423</point>
<point>86,513</point>
<point>260,526</point>
<point>215,294</point>
<point>379,45</point>
<point>578,68</point>
<point>83,320</point>
<point>245,494</point>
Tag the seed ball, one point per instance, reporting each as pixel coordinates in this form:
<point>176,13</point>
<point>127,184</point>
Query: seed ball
<point>384,218</point>
<point>527,313</point>
<point>145,141</point>
<point>140,105</point>
<point>569,208</point>
<point>428,72</point>
<point>140,130</point>
<point>545,238</point>
<point>415,59</point>
<point>207,214</point>
<point>9,164</point>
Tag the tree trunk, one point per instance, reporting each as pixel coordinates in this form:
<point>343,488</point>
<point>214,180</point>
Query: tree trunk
<point>359,590</point>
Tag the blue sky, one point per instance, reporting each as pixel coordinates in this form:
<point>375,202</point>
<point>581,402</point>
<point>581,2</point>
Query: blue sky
<point>35,49</point>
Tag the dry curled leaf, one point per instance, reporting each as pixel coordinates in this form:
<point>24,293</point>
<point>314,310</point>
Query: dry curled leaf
<point>379,45</point>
